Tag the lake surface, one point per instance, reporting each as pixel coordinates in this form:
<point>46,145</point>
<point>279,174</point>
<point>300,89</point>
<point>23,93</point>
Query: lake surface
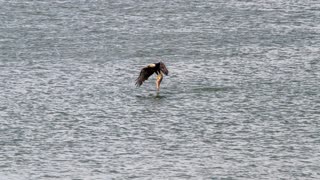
<point>242,99</point>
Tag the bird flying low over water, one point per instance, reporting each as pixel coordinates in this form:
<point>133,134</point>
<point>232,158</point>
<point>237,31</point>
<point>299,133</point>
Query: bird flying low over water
<point>147,71</point>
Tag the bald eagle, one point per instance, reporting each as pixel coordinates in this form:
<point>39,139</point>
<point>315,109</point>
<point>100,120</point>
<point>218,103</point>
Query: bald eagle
<point>147,71</point>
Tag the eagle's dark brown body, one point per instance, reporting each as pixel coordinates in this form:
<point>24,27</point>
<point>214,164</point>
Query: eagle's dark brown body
<point>147,71</point>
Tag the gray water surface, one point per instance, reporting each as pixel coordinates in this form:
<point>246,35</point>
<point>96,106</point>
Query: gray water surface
<point>241,100</point>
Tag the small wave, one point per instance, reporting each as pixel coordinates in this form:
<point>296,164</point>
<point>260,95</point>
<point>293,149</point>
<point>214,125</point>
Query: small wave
<point>212,89</point>
<point>151,96</point>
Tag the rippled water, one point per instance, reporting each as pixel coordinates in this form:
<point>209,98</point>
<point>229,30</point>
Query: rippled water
<point>241,100</point>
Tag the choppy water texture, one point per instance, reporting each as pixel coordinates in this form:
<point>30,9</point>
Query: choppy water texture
<point>241,101</point>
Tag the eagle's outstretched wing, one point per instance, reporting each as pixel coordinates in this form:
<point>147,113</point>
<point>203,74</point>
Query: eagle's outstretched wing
<point>145,73</point>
